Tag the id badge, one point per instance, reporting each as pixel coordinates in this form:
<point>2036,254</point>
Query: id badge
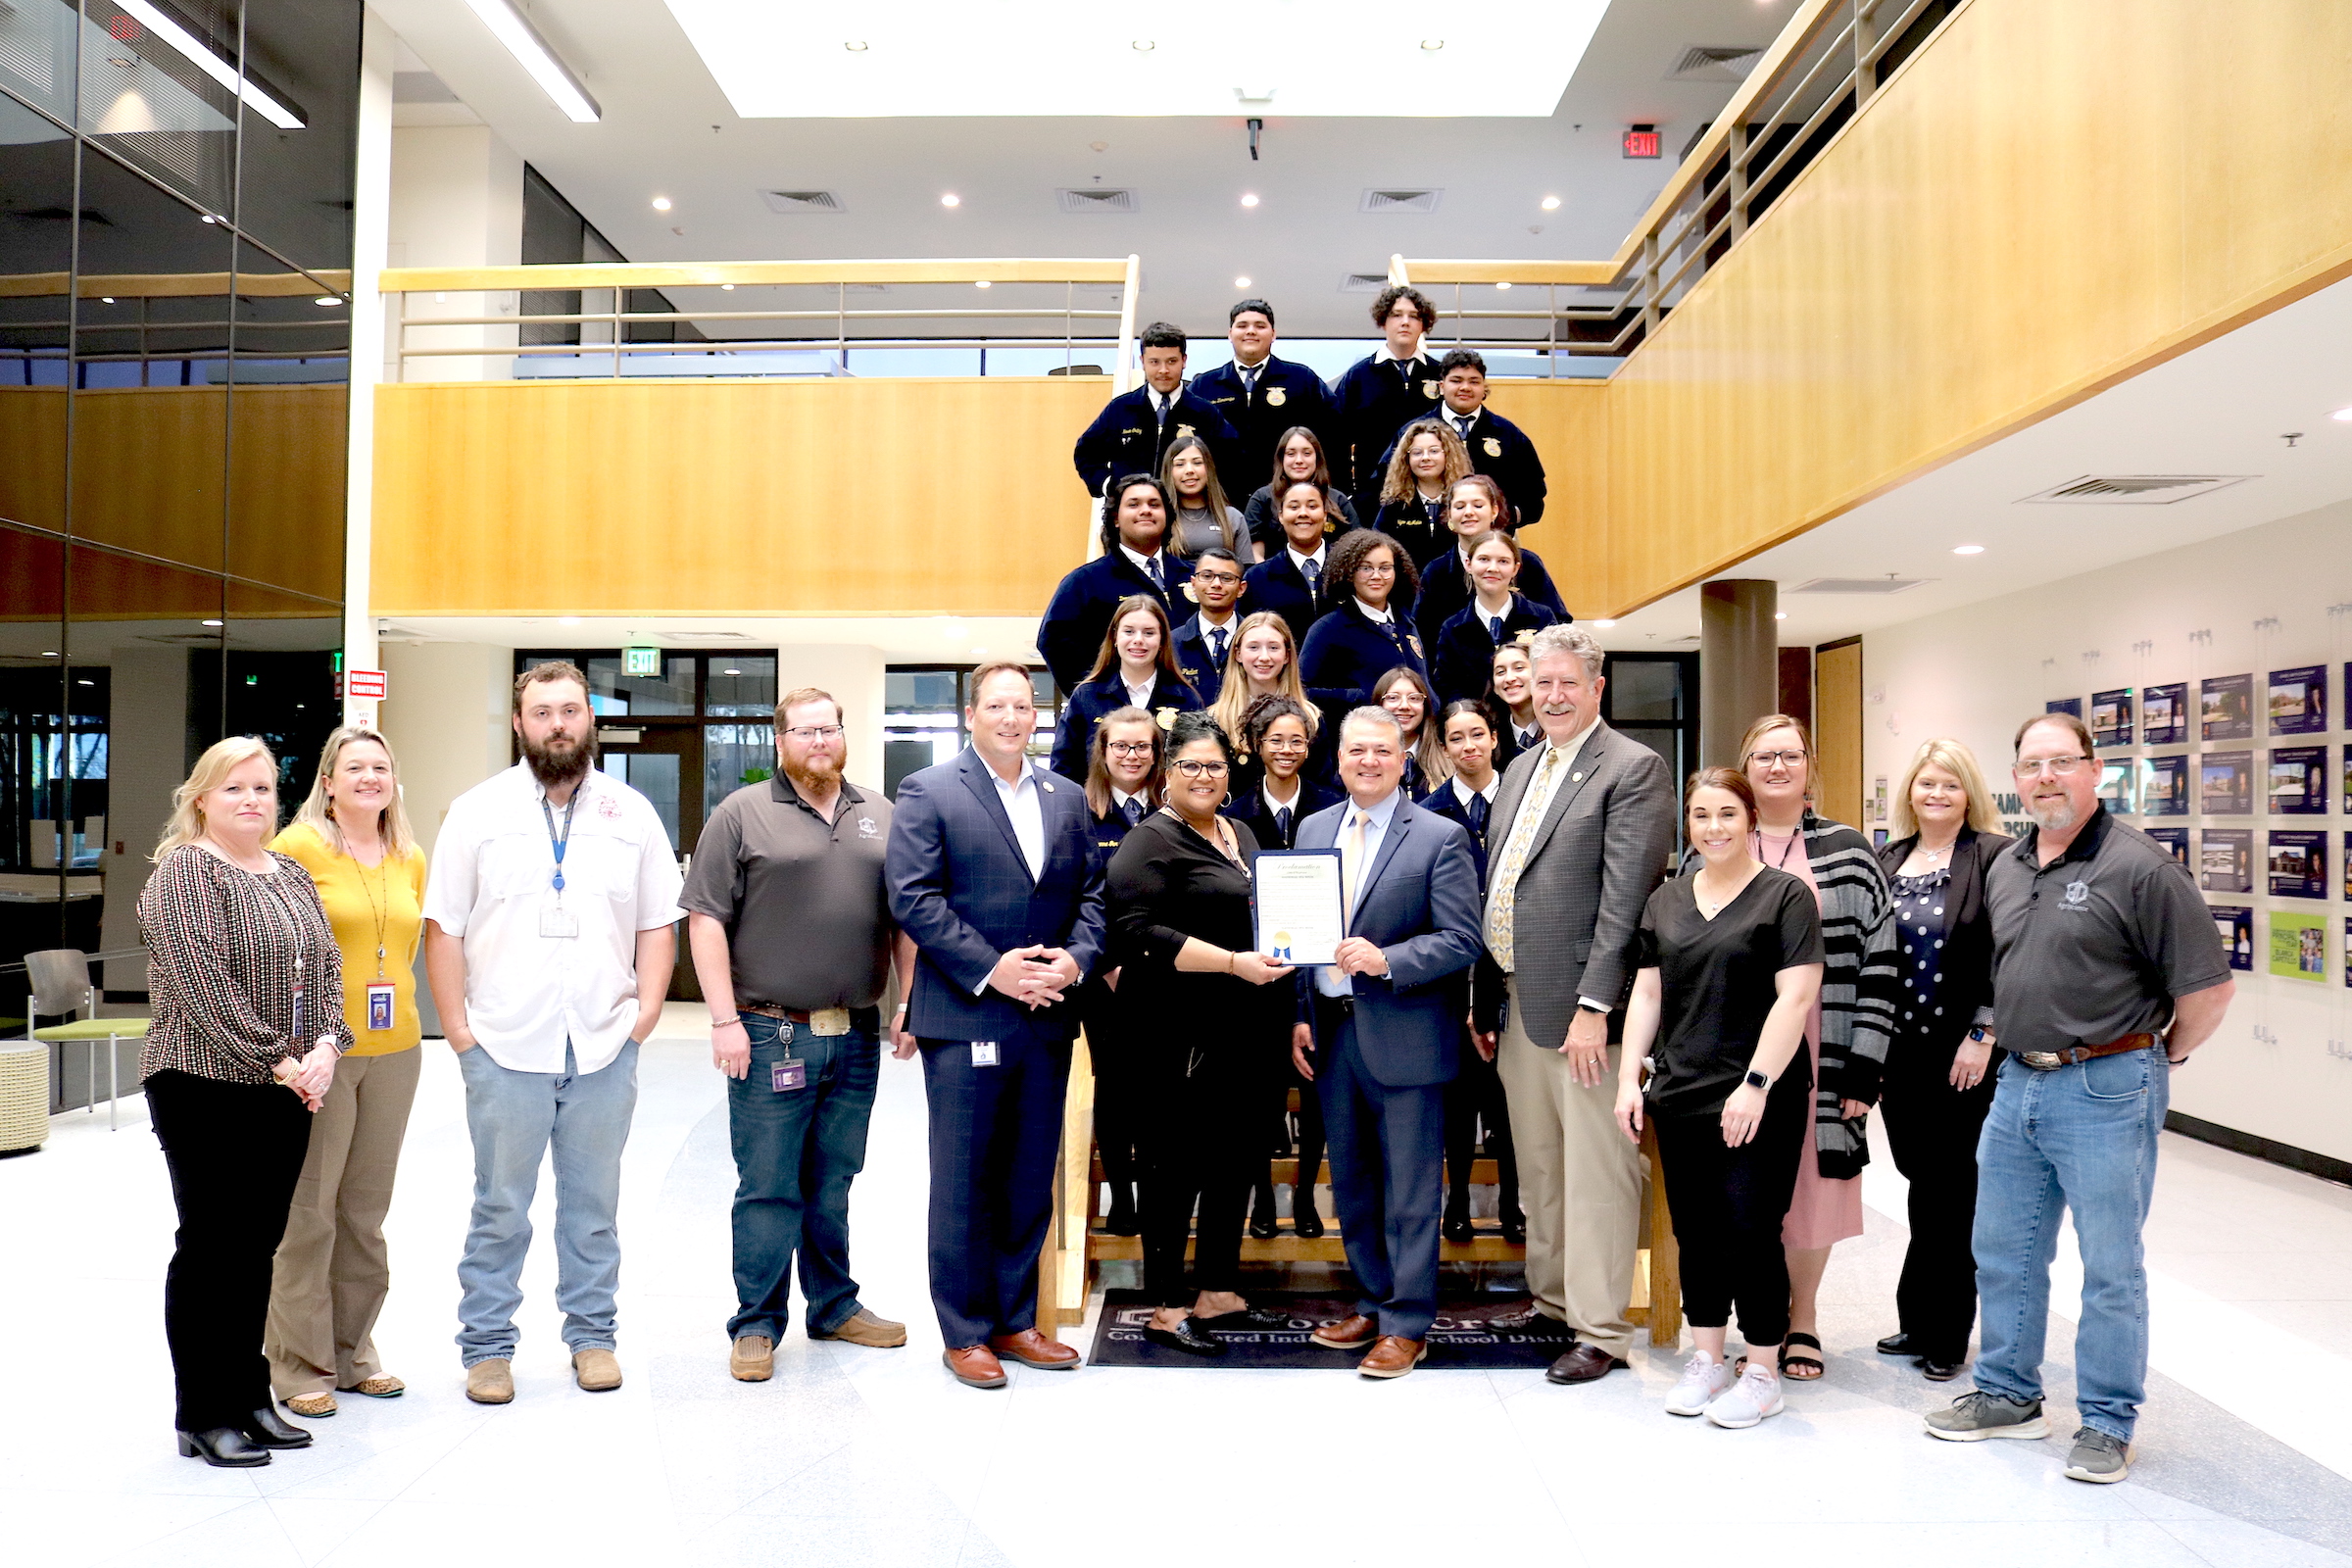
<point>301,1013</point>
<point>984,1052</point>
<point>555,920</point>
<point>379,1004</point>
<point>788,1075</point>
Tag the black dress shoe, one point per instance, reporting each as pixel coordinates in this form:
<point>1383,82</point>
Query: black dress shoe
<point>1896,1344</point>
<point>264,1428</point>
<point>1583,1363</point>
<point>1514,1226</point>
<point>1936,1371</point>
<point>1122,1221</point>
<point>226,1446</point>
<point>1188,1337</point>
<point>1263,1225</point>
<point>1305,1221</point>
<point>1248,1317</point>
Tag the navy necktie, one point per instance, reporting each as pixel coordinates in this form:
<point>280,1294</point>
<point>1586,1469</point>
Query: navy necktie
<point>1134,809</point>
<point>1282,825</point>
<point>1217,648</point>
<point>1250,381</point>
<point>1151,571</point>
<point>1477,810</point>
<point>1394,635</point>
<point>1313,571</point>
<point>1495,626</point>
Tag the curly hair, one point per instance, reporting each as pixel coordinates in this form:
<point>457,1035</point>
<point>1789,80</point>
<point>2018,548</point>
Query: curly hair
<point>1398,483</point>
<point>1340,565</point>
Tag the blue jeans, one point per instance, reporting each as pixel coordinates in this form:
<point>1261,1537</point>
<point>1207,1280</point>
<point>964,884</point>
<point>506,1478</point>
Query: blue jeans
<point>796,1152</point>
<point>513,1116</point>
<point>2081,1138</point>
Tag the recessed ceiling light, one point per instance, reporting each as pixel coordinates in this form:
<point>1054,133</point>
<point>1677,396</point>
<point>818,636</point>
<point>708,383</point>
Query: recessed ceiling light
<point>1241,282</point>
<point>1432,45</point>
<point>1248,198</point>
<point>1503,283</point>
<point>730,673</point>
<point>108,299</point>
<point>1967,549</point>
<point>1552,204</point>
<point>1142,46</point>
<point>209,219</point>
<point>951,199</point>
<point>661,203</point>
<point>212,623</point>
<point>328,299</point>
<point>726,288</point>
<point>567,620</point>
<point>530,51</point>
<point>856,46</point>
<point>49,653</point>
<point>980,283</point>
<point>2344,415</point>
<point>1780,614</point>
<point>1605,626</point>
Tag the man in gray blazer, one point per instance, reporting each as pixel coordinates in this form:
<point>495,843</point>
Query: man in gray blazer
<point>1579,837</point>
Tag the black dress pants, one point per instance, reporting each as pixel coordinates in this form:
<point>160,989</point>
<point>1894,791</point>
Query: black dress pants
<point>1114,1087</point>
<point>1933,1130</point>
<point>1728,1205</point>
<point>1203,1138</point>
<point>236,1152</point>
<point>1280,1080</point>
<point>1476,1093</point>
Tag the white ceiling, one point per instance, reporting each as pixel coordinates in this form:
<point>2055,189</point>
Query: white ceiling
<point>670,131</point>
<point>2222,409</point>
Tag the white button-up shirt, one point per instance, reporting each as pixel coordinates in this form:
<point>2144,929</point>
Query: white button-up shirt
<point>1330,979</point>
<point>492,879</point>
<point>1027,808</point>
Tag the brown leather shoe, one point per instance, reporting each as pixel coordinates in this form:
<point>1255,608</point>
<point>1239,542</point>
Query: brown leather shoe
<point>1351,1333</point>
<point>1032,1349</point>
<point>1393,1356</point>
<point>490,1382</point>
<point>752,1359</point>
<point>862,1327</point>
<point>595,1371</point>
<point>975,1366</point>
<point>1583,1363</point>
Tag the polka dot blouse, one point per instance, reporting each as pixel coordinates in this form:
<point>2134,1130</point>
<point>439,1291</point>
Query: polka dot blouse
<point>1919,903</point>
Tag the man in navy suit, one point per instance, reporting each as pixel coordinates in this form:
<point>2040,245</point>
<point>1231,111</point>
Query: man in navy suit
<point>1380,1034</point>
<point>1134,560</point>
<point>1133,432</point>
<point>1204,640</point>
<point>1498,448</point>
<point>1262,396</point>
<point>990,869</point>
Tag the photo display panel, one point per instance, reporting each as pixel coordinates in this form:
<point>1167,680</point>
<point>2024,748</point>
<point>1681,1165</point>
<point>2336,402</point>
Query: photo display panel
<point>2111,717</point>
<point>2165,790</point>
<point>2298,781</point>
<point>2226,786</point>
<point>2226,860</point>
<point>2163,715</point>
<point>2226,708</point>
<point>2299,699</point>
<point>2298,864</point>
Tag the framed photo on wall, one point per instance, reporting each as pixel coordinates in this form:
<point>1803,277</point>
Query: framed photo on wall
<point>2226,860</point>
<point>2297,785</point>
<point>2116,778</point>
<point>2299,945</point>
<point>2064,705</point>
<point>2226,708</point>
<point>2163,715</point>
<point>2298,864</point>
<point>2235,924</point>
<point>2165,790</point>
<point>2299,699</point>
<point>2226,783</point>
<point>2174,839</point>
<point>2111,717</point>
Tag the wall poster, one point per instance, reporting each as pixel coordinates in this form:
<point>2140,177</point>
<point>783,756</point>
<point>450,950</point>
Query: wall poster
<point>2348,865</point>
<point>2348,777</point>
<point>2174,840</point>
<point>2298,781</point>
<point>2163,715</point>
<point>2116,778</point>
<point>2111,717</point>
<point>2298,865</point>
<point>2299,701</point>
<point>2064,705</point>
<point>2235,924</point>
<point>2227,783</point>
<point>2226,860</point>
<point>2225,703</point>
<point>2299,945</point>
<point>2164,789</point>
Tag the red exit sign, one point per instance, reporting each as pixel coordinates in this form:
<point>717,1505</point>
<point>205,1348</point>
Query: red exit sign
<point>1641,141</point>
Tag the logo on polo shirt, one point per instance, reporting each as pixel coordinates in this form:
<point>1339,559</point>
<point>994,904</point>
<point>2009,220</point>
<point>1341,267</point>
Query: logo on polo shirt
<point>866,828</point>
<point>607,807</point>
<point>2078,894</point>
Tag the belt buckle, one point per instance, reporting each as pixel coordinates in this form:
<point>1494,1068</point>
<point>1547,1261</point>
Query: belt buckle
<point>827,1022</point>
<point>2041,1060</point>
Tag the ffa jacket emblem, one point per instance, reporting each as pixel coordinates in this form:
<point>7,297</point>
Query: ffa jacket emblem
<point>1276,397</point>
<point>1492,446</point>
<point>1429,389</point>
<point>1166,718</point>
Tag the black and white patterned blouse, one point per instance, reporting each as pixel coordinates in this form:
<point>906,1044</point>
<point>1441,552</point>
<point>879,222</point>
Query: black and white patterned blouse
<point>221,944</point>
<point>1919,905</point>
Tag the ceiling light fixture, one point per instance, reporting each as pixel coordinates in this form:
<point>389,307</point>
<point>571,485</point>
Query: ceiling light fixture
<point>211,64</point>
<point>328,299</point>
<point>1142,46</point>
<point>661,203</point>
<point>1432,45</point>
<point>1248,198</point>
<point>1603,625</point>
<point>1552,204</point>
<point>980,283</point>
<point>1241,282</point>
<point>212,623</point>
<point>2344,415</point>
<point>1967,549</point>
<point>1503,283</point>
<point>107,299</point>
<point>1780,614</point>
<point>856,46</point>
<point>567,620</point>
<point>726,288</point>
<point>530,51</point>
<point>951,199</point>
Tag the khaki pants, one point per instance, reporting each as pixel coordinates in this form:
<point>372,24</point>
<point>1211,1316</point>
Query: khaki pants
<point>1579,1181</point>
<point>331,1270</point>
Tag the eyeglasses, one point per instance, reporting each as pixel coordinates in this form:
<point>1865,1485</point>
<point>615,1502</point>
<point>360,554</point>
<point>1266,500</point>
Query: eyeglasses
<point>1129,748</point>
<point>811,733</point>
<point>2054,766</point>
<point>1775,759</point>
<point>1199,769</point>
<point>1228,578</point>
<point>1283,743</point>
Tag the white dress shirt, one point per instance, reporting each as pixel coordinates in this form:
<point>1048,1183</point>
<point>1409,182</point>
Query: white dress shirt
<point>1140,696</point>
<point>1378,618</point>
<point>1144,564</point>
<point>1300,563</point>
<point>1462,790</point>
<point>1027,808</point>
<point>1329,978</point>
<point>492,882</point>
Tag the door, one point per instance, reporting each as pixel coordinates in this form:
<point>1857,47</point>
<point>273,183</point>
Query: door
<point>664,762</point>
<point>1837,730</point>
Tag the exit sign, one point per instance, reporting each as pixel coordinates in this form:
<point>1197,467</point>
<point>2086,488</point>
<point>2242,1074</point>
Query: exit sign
<point>1641,141</point>
<point>641,661</point>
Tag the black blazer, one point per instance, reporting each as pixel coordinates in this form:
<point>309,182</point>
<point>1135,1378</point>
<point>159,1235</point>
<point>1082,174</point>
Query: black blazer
<point>1207,675</point>
<point>1288,393</point>
<point>1446,588</point>
<point>1129,437</point>
<point>1275,584</point>
<point>1462,661</point>
<point>1096,701</point>
<point>1339,516</point>
<point>1250,809</point>
<point>1374,399</point>
<point>1418,525</point>
<point>1967,946</point>
<point>1444,801</point>
<point>1346,651</point>
<point>1070,634</point>
<point>1501,451</point>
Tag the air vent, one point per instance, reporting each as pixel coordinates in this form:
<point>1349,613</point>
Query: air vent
<point>1856,585</point>
<point>1715,63</point>
<point>2134,489</point>
<point>1364,283</point>
<point>1399,201</point>
<point>802,201</point>
<point>1098,199</point>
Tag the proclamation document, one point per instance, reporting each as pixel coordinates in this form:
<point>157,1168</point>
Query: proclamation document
<point>1298,916</point>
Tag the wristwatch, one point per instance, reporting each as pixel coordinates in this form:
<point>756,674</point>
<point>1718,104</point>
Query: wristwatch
<point>1756,1080</point>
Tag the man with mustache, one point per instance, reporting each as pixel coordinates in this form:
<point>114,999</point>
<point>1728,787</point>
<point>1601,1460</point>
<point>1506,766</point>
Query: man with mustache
<point>549,945</point>
<point>2107,973</point>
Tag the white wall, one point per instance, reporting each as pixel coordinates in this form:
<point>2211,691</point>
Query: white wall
<point>853,674</point>
<point>446,718</point>
<point>456,201</point>
<point>2269,598</point>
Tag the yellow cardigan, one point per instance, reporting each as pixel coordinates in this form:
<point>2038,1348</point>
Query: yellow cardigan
<point>355,895</point>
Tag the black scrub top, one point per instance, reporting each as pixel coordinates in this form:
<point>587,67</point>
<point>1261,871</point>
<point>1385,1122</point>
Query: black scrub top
<point>1718,981</point>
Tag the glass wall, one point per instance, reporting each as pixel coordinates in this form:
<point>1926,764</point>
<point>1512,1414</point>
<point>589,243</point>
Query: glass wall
<point>175,244</point>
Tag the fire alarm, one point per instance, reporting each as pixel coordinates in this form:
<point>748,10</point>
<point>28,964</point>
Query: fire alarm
<point>1640,141</point>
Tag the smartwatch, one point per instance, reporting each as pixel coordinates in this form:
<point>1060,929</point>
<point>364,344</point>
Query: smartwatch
<point>1756,1080</point>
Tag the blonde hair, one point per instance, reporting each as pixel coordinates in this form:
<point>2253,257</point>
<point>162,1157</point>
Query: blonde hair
<point>1399,483</point>
<point>318,811</point>
<point>1233,697</point>
<point>1959,762</point>
<point>212,770</point>
<point>1765,726</point>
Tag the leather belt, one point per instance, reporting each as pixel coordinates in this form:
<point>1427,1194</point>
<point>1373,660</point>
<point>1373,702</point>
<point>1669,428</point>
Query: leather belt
<point>822,1020</point>
<point>2052,1060</point>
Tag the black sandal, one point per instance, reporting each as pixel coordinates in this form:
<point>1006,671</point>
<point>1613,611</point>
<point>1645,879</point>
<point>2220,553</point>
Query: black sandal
<point>1789,1358</point>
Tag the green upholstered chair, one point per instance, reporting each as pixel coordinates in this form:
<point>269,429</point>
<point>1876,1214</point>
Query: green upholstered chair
<point>60,983</point>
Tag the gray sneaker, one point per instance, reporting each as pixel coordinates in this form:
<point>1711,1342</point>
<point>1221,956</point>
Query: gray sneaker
<point>2098,1456</point>
<point>1973,1417</point>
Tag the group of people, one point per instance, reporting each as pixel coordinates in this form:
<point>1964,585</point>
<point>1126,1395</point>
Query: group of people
<point>1516,954</point>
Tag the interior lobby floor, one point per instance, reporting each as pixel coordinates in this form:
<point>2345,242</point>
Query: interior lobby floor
<point>856,1457</point>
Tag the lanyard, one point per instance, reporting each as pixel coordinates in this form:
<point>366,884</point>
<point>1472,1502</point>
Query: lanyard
<point>559,845</point>
<point>380,909</point>
<point>1787,849</point>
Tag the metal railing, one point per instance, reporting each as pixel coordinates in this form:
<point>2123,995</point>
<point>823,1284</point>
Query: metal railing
<point>1087,332</point>
<point>1826,66</point>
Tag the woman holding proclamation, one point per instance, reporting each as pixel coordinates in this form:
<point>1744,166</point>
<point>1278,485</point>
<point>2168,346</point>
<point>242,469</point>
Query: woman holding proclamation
<point>1204,1022</point>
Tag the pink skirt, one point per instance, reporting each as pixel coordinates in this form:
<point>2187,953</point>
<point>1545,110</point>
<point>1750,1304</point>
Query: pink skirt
<point>1823,1213</point>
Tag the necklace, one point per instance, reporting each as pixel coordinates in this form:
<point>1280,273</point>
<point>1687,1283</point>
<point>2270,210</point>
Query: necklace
<point>379,904</point>
<point>1787,849</point>
<point>1722,904</point>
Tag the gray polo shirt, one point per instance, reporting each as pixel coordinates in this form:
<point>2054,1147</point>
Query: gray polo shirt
<point>807,923</point>
<point>2096,944</point>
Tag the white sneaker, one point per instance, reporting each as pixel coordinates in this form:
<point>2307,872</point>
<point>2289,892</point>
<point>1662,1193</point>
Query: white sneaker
<point>1702,1380</point>
<point>1754,1396</point>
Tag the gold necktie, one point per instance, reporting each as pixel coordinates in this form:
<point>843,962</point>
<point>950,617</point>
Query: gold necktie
<point>1505,901</point>
<point>1351,869</point>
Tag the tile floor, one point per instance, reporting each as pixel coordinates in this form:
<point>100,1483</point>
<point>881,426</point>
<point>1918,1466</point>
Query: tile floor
<point>858,1456</point>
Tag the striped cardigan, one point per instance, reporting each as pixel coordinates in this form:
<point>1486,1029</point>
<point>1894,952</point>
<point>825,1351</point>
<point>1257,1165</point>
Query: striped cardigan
<point>1859,980</point>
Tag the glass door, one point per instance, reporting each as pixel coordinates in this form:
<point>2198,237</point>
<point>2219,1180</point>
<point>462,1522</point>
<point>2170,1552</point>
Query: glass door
<point>664,762</point>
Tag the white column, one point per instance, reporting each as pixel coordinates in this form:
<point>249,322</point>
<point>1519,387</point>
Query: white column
<point>457,201</point>
<point>371,200</point>
<point>447,722</point>
<point>853,673</point>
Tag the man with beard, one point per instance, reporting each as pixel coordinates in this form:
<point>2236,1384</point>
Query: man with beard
<point>792,940</point>
<point>549,945</point>
<point>2107,973</point>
